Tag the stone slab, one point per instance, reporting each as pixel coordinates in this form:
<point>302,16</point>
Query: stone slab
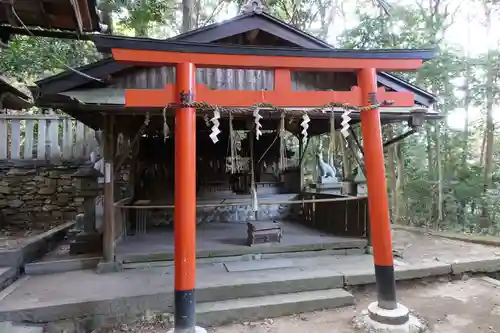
<point>249,257</point>
<point>35,247</point>
<point>224,312</point>
<point>492,281</point>
<point>7,276</point>
<point>54,297</point>
<point>422,270</point>
<point>257,265</point>
<point>57,266</point>
<point>8,327</point>
<point>482,265</point>
<point>11,288</point>
<point>108,267</point>
<point>359,277</point>
<point>263,283</point>
<point>12,258</point>
<point>407,272</point>
<point>26,329</point>
<point>244,250</point>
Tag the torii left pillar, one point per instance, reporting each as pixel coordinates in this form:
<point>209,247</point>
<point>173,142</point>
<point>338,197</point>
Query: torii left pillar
<point>185,203</point>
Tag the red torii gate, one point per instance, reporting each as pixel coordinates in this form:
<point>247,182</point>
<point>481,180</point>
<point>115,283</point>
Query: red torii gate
<point>187,56</point>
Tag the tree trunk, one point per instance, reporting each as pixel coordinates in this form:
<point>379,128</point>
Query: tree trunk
<point>489,141</point>
<point>400,163</point>
<point>430,169</point>
<point>106,10</point>
<point>439,165</point>
<point>465,140</point>
<point>187,15</point>
<point>490,126</point>
<point>467,101</point>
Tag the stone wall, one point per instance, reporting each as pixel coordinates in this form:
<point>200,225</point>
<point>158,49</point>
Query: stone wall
<point>33,194</point>
<point>232,214</point>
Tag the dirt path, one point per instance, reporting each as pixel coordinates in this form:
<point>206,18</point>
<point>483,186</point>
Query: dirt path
<point>418,247</point>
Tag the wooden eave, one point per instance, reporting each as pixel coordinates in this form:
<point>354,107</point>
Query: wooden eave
<point>248,22</point>
<point>12,97</point>
<point>49,17</point>
<point>104,69</point>
<point>109,44</point>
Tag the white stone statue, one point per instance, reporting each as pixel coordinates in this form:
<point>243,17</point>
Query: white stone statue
<point>327,173</point>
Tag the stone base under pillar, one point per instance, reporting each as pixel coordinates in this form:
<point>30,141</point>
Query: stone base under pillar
<point>85,243</point>
<point>378,320</point>
<point>196,330</point>
<point>109,267</point>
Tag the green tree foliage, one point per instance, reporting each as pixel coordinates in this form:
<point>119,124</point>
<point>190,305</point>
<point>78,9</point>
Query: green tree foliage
<point>30,58</point>
<point>441,176</point>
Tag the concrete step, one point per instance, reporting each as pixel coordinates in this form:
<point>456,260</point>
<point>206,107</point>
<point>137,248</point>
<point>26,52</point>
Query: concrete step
<point>266,283</point>
<point>8,327</point>
<point>249,257</point>
<point>255,308</point>
<point>7,276</point>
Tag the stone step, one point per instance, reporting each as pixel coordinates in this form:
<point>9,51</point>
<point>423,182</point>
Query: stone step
<point>7,276</point>
<point>249,257</point>
<point>255,308</point>
<point>8,327</point>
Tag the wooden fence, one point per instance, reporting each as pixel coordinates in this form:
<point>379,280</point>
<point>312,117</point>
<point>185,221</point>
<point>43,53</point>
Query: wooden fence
<point>340,218</point>
<point>45,138</point>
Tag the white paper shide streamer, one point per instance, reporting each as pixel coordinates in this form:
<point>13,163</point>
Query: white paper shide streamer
<point>258,125</point>
<point>305,125</point>
<point>215,126</point>
<point>345,123</point>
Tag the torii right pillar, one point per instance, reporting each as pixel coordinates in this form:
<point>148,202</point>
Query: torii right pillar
<point>385,314</point>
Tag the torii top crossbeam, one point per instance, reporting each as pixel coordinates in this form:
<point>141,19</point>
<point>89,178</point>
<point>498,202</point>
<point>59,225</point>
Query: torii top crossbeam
<point>282,60</point>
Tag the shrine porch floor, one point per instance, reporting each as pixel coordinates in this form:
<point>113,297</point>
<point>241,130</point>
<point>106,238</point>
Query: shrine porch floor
<point>229,239</point>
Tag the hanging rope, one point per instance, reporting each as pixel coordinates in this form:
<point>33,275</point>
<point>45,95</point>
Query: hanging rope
<point>282,165</point>
<point>254,109</point>
<point>253,189</point>
<point>231,142</point>
<point>120,144</point>
<point>331,149</point>
<point>204,106</point>
<point>166,129</point>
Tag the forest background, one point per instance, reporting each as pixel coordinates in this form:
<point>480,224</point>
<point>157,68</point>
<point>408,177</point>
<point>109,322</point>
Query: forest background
<point>444,177</point>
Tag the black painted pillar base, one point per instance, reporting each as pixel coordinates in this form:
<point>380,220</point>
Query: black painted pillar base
<point>185,313</point>
<point>386,287</point>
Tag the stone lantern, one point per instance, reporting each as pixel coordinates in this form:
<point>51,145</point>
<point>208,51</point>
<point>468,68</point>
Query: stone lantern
<point>88,239</point>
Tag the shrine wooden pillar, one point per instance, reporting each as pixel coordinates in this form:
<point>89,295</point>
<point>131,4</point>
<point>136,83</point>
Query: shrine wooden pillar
<point>185,201</point>
<point>108,263</point>
<point>109,209</point>
<point>378,205</point>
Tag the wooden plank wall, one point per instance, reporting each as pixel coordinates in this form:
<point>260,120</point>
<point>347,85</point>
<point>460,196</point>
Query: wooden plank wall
<point>50,138</point>
<point>340,218</point>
